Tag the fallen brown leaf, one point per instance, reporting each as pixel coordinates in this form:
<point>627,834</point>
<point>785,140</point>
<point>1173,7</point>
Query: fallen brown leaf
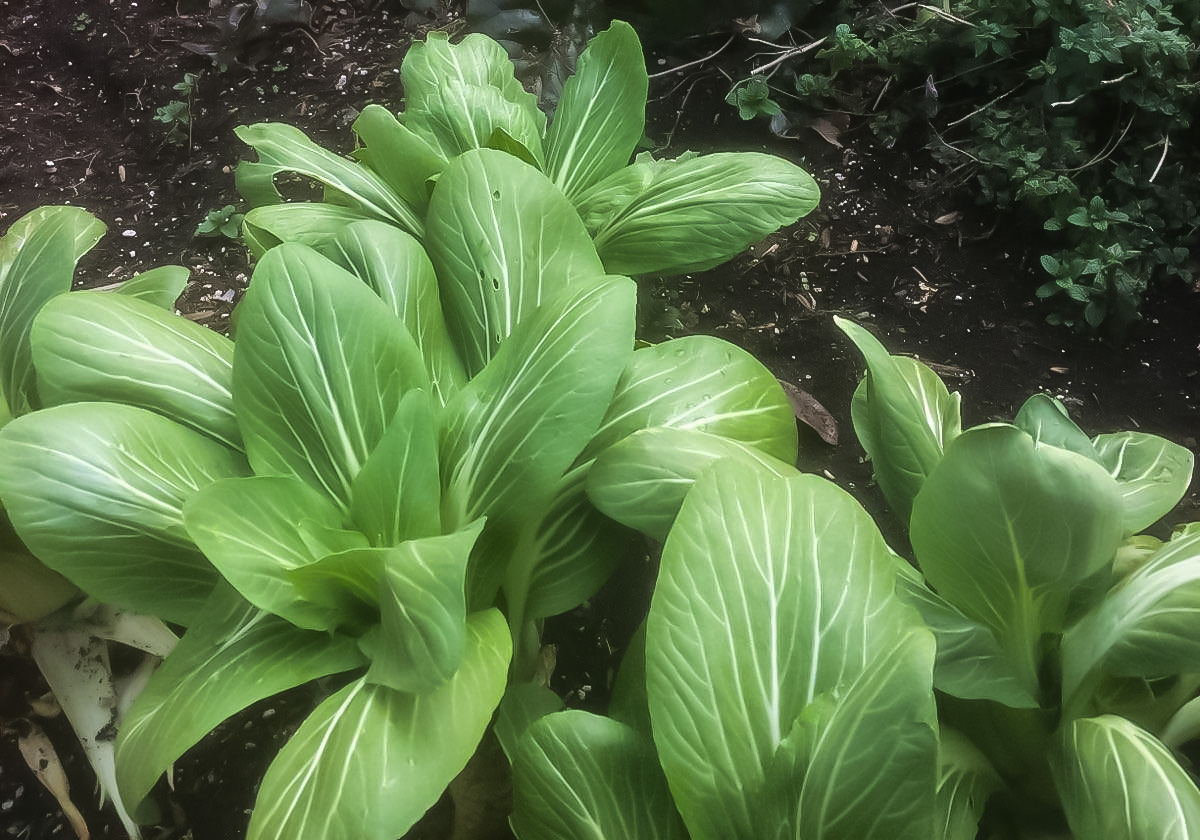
<point>811,413</point>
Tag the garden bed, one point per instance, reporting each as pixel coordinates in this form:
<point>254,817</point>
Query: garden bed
<point>933,274</point>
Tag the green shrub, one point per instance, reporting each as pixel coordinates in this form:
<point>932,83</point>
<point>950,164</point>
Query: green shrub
<point>1079,113</point>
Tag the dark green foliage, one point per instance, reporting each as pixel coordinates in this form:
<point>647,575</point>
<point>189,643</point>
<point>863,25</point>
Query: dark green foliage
<point>1080,113</point>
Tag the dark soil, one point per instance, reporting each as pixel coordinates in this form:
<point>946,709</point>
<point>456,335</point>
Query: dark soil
<point>934,275</point>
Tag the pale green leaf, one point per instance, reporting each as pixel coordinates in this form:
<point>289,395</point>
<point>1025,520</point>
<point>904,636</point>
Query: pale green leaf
<point>395,265</point>
<point>1152,472</point>
<point>161,286</point>
<point>1005,529</point>
<point>904,418</point>
<point>255,530</point>
<point>107,347</point>
<point>523,704</point>
<point>579,775</point>
<point>1149,626</point>
<point>233,656</point>
<point>31,589</point>
<point>459,96</point>
<point>320,367</point>
<point>516,428</point>
<point>971,664</point>
<point>965,782</point>
<point>285,148</point>
<point>602,113</point>
<point>1118,782</point>
<point>689,214</point>
<point>503,239</point>
<point>865,759</point>
<point>1045,419</point>
<point>37,262</point>
<point>642,480</point>
<point>423,612</point>
<point>306,222</point>
<point>397,495</point>
<point>701,383</point>
<point>370,760</point>
<point>96,490</point>
<point>774,594</point>
<point>461,117</point>
<point>397,155</point>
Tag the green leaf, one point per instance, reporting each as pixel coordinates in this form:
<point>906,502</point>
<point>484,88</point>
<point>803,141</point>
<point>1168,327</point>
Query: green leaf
<point>255,530</point>
<point>579,775</point>
<point>457,95</point>
<point>692,213</point>
<point>370,760</point>
<point>106,347</point>
<point>503,239</point>
<point>1153,474</point>
<point>642,480</point>
<point>96,490</point>
<point>523,704</point>
<point>306,222</point>
<point>1045,419</point>
<point>1118,782</point>
<point>1149,626</point>
<point>397,495</point>
<point>397,155</point>
<point>285,148</point>
<point>965,782</point>
<point>462,117</point>
<point>701,383</point>
<point>37,262</point>
<point>320,368</point>
<point>516,428</point>
<point>233,656</point>
<point>395,265</point>
<point>864,760</point>
<point>423,607</point>
<point>602,113</point>
<point>971,663</point>
<point>577,548</point>
<point>904,418</point>
<point>1006,528</point>
<point>775,596</point>
<point>161,286</point>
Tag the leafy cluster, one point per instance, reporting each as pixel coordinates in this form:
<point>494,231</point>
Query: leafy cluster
<point>1079,113</point>
<point>402,464</point>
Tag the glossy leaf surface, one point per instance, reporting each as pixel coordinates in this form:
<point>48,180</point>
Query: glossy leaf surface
<point>107,347</point>
<point>904,418</point>
<point>503,239</point>
<point>1117,782</point>
<point>1005,528</point>
<point>370,760</point>
<point>580,775</point>
<point>233,656</point>
<point>320,368</point>
<point>96,490</point>
<point>672,216</point>
<point>602,113</point>
<point>1152,472</point>
<point>776,596</point>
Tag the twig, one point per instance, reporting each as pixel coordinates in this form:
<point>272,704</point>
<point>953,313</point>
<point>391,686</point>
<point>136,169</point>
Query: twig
<point>717,52</point>
<point>1106,152</point>
<point>942,13</point>
<point>1166,144</point>
<point>1120,78</point>
<point>792,53</point>
<point>983,108</point>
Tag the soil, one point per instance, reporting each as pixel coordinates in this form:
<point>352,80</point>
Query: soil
<point>933,274</point>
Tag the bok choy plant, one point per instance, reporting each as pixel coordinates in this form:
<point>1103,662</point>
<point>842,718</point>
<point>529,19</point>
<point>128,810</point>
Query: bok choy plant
<point>784,688</point>
<point>68,639</point>
<point>648,216</point>
<point>1067,637</point>
<point>386,479</point>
